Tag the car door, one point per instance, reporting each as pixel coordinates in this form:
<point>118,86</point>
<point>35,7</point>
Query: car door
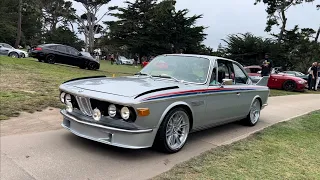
<point>222,100</point>
<point>73,56</point>
<point>61,54</point>
<point>2,50</point>
<point>5,48</point>
<point>245,91</point>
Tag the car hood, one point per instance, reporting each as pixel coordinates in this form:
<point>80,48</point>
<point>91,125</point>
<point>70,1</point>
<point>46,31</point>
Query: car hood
<point>287,76</point>
<point>20,51</point>
<point>125,86</point>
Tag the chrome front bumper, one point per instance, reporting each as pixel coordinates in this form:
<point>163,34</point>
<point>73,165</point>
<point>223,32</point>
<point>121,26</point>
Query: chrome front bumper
<point>132,139</point>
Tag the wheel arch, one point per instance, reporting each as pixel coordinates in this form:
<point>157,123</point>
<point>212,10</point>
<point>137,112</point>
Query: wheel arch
<point>182,104</point>
<point>258,98</point>
<point>289,80</point>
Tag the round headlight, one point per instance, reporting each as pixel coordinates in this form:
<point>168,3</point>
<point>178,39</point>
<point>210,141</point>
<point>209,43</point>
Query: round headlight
<point>69,106</point>
<point>67,98</point>
<point>62,97</point>
<point>96,114</point>
<point>112,110</point>
<point>125,113</point>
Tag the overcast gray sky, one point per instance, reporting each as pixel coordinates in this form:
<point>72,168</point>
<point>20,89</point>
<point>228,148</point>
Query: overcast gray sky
<point>223,17</point>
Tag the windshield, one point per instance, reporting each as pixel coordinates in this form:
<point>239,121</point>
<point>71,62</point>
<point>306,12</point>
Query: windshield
<point>189,69</point>
<point>86,54</point>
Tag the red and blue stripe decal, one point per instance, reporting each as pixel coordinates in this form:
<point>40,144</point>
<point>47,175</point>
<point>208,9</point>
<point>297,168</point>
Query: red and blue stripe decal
<point>198,91</point>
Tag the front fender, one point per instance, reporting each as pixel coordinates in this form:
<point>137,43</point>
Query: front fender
<point>172,106</point>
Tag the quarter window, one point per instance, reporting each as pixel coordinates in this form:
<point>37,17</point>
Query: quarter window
<point>240,76</point>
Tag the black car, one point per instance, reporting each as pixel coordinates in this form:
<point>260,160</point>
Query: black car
<point>58,53</point>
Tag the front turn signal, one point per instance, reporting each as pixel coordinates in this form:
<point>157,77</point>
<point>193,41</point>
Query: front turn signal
<point>143,111</point>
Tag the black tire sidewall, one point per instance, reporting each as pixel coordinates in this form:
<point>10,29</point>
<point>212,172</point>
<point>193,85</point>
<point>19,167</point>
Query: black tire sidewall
<point>289,81</point>
<point>92,66</point>
<point>53,59</point>
<point>17,55</point>
<point>160,142</point>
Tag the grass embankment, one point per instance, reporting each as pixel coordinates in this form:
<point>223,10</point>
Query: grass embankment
<point>289,150</point>
<point>28,85</point>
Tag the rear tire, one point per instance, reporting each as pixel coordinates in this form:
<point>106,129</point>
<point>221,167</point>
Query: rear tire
<point>289,85</point>
<point>173,131</point>
<point>254,114</point>
<point>14,55</point>
<point>50,59</point>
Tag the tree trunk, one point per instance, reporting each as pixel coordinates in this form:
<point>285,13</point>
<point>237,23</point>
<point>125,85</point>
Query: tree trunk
<point>283,27</point>
<point>317,35</point>
<point>16,45</point>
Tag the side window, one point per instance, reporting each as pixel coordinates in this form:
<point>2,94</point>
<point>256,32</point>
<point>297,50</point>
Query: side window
<point>240,76</point>
<point>61,48</point>
<point>53,47</point>
<point>72,51</point>
<point>225,70</point>
<point>213,79</point>
<point>7,46</point>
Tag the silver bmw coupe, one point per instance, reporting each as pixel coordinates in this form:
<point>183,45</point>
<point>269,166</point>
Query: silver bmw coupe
<point>174,95</point>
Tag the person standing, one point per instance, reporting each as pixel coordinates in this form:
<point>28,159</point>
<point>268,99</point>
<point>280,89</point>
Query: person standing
<point>112,58</point>
<point>266,66</point>
<point>136,58</point>
<point>314,71</point>
<point>318,80</point>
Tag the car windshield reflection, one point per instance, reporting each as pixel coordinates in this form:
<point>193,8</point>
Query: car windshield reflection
<point>183,68</point>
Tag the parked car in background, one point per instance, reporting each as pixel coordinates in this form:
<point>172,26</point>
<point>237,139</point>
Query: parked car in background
<point>254,72</point>
<point>285,81</point>
<point>161,105</point>
<point>124,60</point>
<point>6,49</point>
<point>296,74</point>
<point>58,53</point>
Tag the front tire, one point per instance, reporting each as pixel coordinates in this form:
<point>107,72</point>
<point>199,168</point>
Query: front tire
<point>14,55</point>
<point>254,114</point>
<point>173,131</point>
<point>92,66</point>
<point>289,85</point>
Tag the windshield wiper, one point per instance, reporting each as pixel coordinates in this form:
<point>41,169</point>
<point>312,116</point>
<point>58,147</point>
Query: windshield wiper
<point>166,76</point>
<point>143,74</point>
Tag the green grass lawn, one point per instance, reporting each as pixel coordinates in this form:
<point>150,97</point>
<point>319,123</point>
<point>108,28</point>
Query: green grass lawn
<point>289,150</point>
<point>275,92</point>
<point>28,85</point>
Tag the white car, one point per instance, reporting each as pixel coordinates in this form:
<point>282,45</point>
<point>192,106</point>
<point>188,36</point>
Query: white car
<point>6,49</point>
<point>124,60</point>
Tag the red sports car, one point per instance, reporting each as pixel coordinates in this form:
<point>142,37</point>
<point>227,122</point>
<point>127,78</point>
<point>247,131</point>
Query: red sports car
<point>278,81</point>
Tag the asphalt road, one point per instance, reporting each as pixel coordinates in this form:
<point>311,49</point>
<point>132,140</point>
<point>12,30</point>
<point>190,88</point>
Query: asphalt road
<point>59,154</point>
